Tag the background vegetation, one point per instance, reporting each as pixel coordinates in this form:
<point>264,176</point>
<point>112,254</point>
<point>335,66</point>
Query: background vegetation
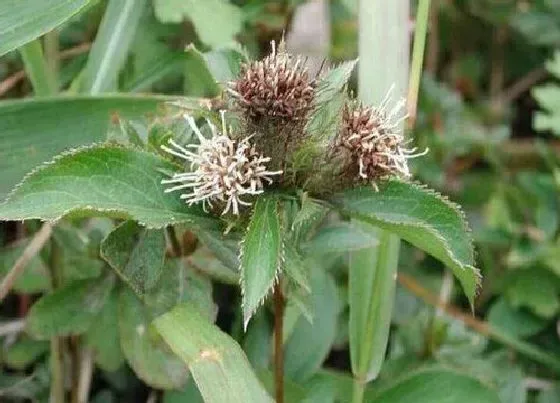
<point>489,110</point>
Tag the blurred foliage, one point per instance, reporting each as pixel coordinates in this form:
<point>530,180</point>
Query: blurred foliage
<point>489,110</point>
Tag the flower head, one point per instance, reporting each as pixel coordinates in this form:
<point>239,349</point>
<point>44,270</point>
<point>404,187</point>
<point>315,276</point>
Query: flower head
<point>277,86</point>
<point>222,170</point>
<point>372,138</point>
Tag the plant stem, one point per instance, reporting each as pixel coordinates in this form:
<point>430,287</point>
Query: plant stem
<point>420,32</point>
<point>278,338</point>
<point>52,56</point>
<point>358,389</point>
<point>57,393</point>
<point>37,68</point>
<point>174,241</point>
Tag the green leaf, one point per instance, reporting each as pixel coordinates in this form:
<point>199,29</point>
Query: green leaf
<point>421,217</point>
<point>340,237</point>
<point>69,310</point>
<point>35,277</point>
<point>216,21</point>
<point>188,394</point>
<point>21,21</point>
<point>148,356</point>
<point>328,101</point>
<point>258,342</point>
<point>516,322</point>
<point>372,280</point>
<point>105,179</point>
<point>136,254</point>
<point>103,336</point>
<point>437,385</point>
<point>303,354</point>
<point>111,45</point>
<point>261,255</point>
<point>64,123</point>
<point>548,96</point>
<point>535,289</point>
<point>24,352</point>
<point>216,362</point>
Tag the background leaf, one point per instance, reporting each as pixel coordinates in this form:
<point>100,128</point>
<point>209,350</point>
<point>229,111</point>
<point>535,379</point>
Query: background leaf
<point>33,131</point>
<point>148,356</point>
<point>261,253</point>
<point>70,309</point>
<point>21,21</point>
<point>108,179</point>
<point>216,362</point>
<point>432,386</point>
<point>422,218</point>
<point>216,22</point>
<point>136,254</point>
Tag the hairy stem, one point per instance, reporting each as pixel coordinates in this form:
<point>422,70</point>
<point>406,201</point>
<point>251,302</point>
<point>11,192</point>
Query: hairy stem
<point>279,306</point>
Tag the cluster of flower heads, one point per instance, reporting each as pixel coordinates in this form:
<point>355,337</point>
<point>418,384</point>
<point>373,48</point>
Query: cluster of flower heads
<point>277,86</point>
<point>222,170</point>
<point>374,141</point>
<point>229,170</point>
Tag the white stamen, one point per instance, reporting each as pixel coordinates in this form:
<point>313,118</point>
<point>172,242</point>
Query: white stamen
<point>223,169</point>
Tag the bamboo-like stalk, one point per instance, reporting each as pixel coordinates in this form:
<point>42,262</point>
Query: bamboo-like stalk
<point>384,58</point>
<point>37,68</point>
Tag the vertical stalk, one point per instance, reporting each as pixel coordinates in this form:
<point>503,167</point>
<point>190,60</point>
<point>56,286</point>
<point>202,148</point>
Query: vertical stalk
<point>421,29</point>
<point>52,55</point>
<point>57,393</point>
<point>384,58</point>
<point>37,68</point>
<point>279,306</point>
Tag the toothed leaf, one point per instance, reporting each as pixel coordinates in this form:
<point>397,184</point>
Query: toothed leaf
<point>261,253</point>
<point>422,217</point>
<point>107,180</point>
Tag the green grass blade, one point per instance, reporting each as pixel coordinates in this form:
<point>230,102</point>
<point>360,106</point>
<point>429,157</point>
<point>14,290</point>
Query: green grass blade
<point>216,362</point>
<point>22,21</point>
<point>111,45</point>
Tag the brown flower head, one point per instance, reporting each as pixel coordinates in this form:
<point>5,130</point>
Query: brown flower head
<point>371,137</point>
<point>277,86</point>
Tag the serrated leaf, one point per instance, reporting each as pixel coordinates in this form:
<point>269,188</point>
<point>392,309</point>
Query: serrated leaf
<point>329,100</point>
<point>437,385</point>
<point>103,336</point>
<point>149,358</point>
<point>216,22</point>
<point>65,122</point>
<point>548,96</point>
<point>421,217</point>
<point>105,179</point>
<point>216,362</point>
<point>261,254</point>
<point>69,310</point>
<point>136,254</point>
<point>21,21</point>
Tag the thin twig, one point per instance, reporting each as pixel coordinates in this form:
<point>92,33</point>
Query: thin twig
<point>484,328</point>
<point>11,327</point>
<point>11,81</point>
<point>519,87</point>
<point>85,375</point>
<point>30,251</point>
<point>432,52</point>
<point>537,384</point>
<point>278,338</point>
